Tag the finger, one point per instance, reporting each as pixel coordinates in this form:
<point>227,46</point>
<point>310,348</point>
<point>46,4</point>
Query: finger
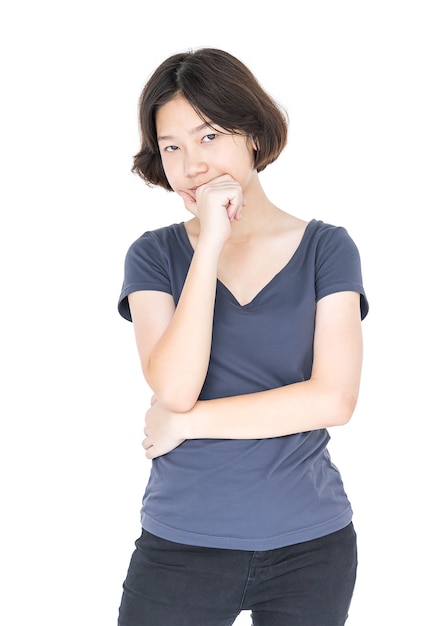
<point>149,454</point>
<point>146,444</point>
<point>239,213</point>
<point>233,210</point>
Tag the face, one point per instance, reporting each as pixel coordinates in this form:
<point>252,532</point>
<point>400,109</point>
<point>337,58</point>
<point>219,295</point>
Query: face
<point>194,153</point>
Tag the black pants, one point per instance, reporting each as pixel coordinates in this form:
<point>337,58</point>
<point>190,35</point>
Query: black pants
<point>307,584</point>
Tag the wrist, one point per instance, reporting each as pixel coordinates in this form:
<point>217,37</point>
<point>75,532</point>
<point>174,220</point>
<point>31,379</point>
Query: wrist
<point>209,247</point>
<point>190,422</point>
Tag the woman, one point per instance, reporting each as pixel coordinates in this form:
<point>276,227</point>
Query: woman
<point>248,326</point>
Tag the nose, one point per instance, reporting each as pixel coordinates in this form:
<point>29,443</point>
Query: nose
<point>194,163</point>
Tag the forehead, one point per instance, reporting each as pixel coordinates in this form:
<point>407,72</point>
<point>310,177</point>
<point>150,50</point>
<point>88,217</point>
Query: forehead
<point>178,116</point>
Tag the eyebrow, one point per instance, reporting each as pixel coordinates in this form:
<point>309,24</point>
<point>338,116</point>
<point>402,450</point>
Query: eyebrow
<point>191,132</point>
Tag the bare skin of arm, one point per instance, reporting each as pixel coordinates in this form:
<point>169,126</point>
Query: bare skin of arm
<point>327,399</point>
<point>174,343</point>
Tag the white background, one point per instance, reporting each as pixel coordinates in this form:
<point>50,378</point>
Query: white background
<point>357,79</point>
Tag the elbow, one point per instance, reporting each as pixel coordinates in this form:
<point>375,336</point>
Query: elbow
<point>171,393</point>
<point>176,400</point>
<point>173,399</point>
<point>178,405</point>
<point>345,404</point>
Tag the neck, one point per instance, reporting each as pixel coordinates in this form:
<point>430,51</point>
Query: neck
<point>258,215</point>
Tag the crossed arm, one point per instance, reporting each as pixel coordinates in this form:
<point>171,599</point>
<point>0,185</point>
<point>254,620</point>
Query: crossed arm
<point>174,347</point>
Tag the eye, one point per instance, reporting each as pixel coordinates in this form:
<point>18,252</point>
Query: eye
<point>209,137</point>
<point>170,148</point>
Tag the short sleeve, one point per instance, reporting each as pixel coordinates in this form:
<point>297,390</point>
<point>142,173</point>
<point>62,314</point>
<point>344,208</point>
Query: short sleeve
<point>145,268</point>
<point>338,266</point>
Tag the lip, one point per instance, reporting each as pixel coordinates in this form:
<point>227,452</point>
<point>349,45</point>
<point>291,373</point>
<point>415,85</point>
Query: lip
<point>192,191</point>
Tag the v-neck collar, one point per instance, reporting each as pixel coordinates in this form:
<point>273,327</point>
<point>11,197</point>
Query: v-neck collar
<point>256,300</point>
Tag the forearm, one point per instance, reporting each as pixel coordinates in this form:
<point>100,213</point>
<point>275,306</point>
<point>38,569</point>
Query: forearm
<point>327,399</point>
<point>178,364</point>
<point>287,410</point>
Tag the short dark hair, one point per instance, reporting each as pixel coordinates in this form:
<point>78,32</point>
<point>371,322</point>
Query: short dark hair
<point>220,88</point>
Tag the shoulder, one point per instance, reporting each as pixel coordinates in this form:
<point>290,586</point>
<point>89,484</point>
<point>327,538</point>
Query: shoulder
<point>158,237</point>
<point>336,260</point>
<point>158,245</point>
<point>328,239</point>
<point>323,230</point>
<point>149,264</point>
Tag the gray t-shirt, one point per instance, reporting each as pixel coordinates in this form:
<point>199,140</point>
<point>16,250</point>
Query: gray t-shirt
<point>250,494</point>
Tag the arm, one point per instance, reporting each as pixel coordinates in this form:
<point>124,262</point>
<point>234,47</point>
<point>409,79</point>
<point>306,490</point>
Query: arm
<point>327,399</point>
<point>174,343</point>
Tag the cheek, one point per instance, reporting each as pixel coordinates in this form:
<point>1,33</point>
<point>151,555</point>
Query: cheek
<point>246,166</point>
<point>169,172</point>
<point>246,157</point>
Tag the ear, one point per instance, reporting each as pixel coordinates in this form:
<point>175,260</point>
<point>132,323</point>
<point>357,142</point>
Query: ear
<point>255,144</point>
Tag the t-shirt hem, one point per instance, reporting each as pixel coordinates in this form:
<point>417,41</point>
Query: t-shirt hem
<point>242,543</point>
<point>358,288</point>
<point>123,306</point>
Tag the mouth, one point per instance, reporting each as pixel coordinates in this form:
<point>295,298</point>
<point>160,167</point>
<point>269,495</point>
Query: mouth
<point>192,192</point>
